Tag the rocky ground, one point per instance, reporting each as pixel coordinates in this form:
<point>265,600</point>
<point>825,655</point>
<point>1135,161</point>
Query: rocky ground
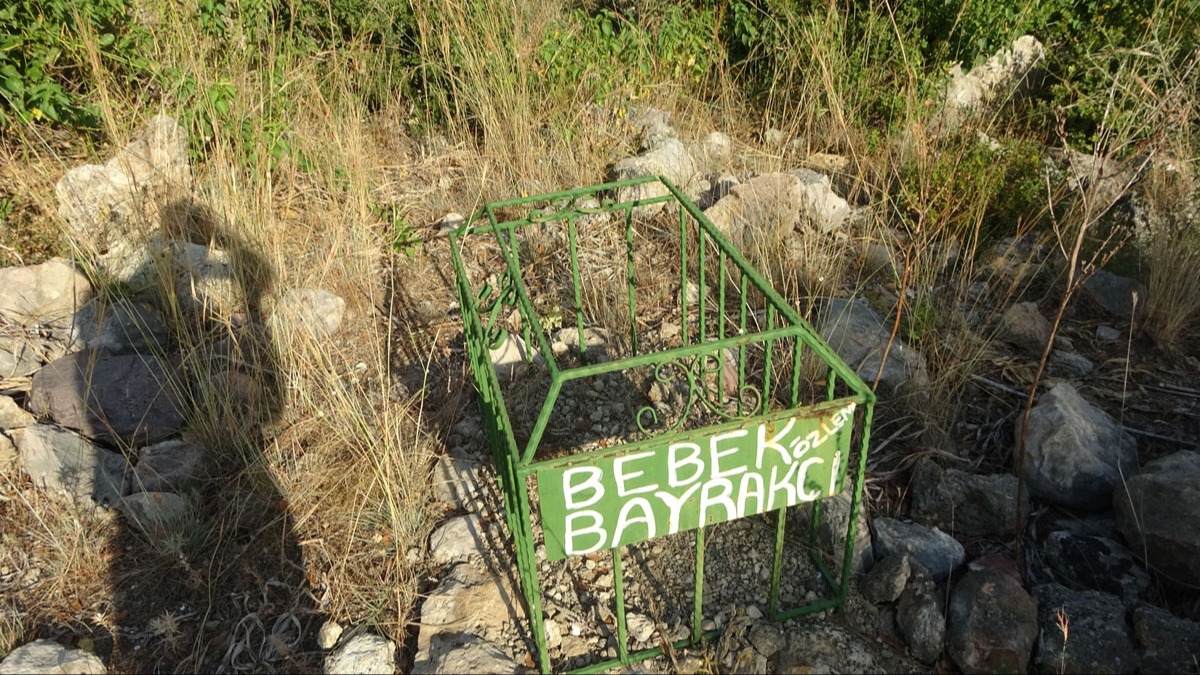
<point>1103,578</point>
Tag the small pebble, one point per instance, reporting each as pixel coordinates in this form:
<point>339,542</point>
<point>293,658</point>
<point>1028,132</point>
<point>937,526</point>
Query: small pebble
<point>328,636</point>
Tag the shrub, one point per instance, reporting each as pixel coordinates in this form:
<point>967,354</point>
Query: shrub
<point>46,48</point>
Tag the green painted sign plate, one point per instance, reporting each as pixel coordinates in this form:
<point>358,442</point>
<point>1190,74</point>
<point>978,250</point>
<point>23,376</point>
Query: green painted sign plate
<point>650,490</point>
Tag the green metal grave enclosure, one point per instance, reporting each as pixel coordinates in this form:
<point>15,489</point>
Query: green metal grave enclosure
<point>763,409</point>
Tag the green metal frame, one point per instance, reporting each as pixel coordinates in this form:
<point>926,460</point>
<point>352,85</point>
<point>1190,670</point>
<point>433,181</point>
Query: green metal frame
<point>485,306</point>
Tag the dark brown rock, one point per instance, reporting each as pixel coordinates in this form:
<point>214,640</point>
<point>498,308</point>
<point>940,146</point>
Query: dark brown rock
<point>993,623</point>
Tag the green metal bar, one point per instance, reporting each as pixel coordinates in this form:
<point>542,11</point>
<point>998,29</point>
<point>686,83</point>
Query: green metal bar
<point>698,601</point>
<point>619,365</point>
<point>586,191</point>
<point>797,354</point>
<point>856,501</point>
<point>721,325</point>
<point>766,389</point>
<point>619,590</point>
<point>576,282</point>
<point>744,303</point>
<point>527,565</point>
<point>831,386</point>
<point>814,523</point>
<point>605,666</point>
<point>826,575</point>
<point>543,420</point>
<point>503,445</point>
<point>683,277</point>
<point>777,562</point>
<point>808,609</point>
<point>633,341</point>
<point>700,265</point>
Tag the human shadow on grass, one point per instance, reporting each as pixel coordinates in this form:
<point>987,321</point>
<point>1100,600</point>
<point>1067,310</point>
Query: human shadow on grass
<point>207,575</point>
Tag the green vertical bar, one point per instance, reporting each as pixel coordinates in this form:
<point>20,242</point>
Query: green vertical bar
<point>576,282</point>
<point>527,568</point>
<point>698,605</point>
<point>721,325</point>
<point>703,289</point>
<point>797,353</point>
<point>831,385</point>
<point>856,502</point>
<point>683,276</point>
<point>766,392</point>
<point>633,341</point>
<point>777,564</point>
<point>619,588</point>
<point>744,303</point>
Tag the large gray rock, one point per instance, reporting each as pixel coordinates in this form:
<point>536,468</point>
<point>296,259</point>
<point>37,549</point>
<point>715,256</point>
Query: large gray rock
<point>175,465</point>
<point>363,654</point>
<point>470,600</point>
<point>858,335</point>
<point>201,280</point>
<point>887,579</point>
<point>21,355</point>
<point>47,657</point>
<point>936,551</point>
<point>651,125</point>
<point>922,618</point>
<point>1114,294</point>
<point>1075,453</point>
<point>1159,515</point>
<point>45,293</point>
<point>831,533</point>
<point>205,281</point>
<point>759,214</point>
<point>456,480</point>
<point>821,208</point>
<point>964,503</point>
<point>121,200</point>
<point>130,398</point>
<point>457,539</point>
<point>314,310</point>
<point>454,653</point>
<point>58,459</point>
<point>155,512</point>
<point>714,149</point>
<point>1023,326</point>
<point>825,647</point>
<point>8,452</point>
<point>1168,643</point>
<point>989,84</point>
<point>992,623</point>
<point>669,159</point>
<point>1082,632</point>
<point>119,328</point>
<point>1089,562</point>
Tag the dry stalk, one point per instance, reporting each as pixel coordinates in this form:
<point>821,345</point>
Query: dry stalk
<point>1077,275</point>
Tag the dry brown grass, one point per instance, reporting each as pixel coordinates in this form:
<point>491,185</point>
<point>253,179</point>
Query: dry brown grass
<point>320,503</point>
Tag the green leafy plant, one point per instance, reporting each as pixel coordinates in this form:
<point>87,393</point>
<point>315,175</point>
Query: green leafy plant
<point>44,57</point>
<point>402,236</point>
<point>603,52</point>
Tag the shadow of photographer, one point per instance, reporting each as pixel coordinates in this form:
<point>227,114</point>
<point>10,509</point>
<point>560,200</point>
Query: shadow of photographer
<point>207,575</point>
